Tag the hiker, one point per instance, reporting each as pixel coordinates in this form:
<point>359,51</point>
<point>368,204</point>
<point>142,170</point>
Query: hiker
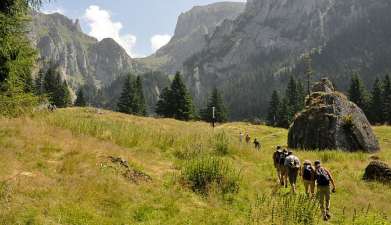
<point>248,138</point>
<point>292,166</point>
<point>257,144</point>
<point>282,169</point>
<point>308,175</point>
<point>241,137</point>
<point>276,162</point>
<point>323,179</point>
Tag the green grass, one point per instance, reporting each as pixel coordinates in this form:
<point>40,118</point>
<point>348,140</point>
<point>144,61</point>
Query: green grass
<point>54,169</point>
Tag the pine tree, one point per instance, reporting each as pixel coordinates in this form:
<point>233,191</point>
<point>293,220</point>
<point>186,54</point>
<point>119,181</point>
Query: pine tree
<point>176,102</point>
<point>127,100</point>
<point>376,104</point>
<point>140,100</point>
<point>302,95</point>
<point>39,83</point>
<point>357,93</point>
<point>56,90</point>
<point>274,109</point>
<point>283,114</point>
<point>80,101</point>
<point>163,106</point>
<point>387,99</point>
<point>181,99</point>
<point>216,101</point>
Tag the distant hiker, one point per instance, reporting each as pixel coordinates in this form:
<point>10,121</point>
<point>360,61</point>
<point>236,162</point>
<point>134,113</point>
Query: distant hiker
<point>324,179</point>
<point>308,175</point>
<point>248,138</point>
<point>241,137</point>
<point>257,144</point>
<point>276,162</point>
<point>292,165</point>
<point>52,107</point>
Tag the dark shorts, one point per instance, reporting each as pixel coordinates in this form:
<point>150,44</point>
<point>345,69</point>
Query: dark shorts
<point>292,174</point>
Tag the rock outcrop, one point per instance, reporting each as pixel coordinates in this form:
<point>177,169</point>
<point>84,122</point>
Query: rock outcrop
<point>331,121</point>
<point>378,171</point>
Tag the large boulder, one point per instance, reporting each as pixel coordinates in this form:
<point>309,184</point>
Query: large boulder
<point>331,121</point>
<point>378,171</point>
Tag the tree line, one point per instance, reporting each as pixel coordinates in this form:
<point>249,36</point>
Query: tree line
<point>282,109</point>
<point>376,103</point>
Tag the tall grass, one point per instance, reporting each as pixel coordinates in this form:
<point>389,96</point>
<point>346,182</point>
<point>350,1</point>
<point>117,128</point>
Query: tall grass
<point>286,210</point>
<point>221,143</point>
<point>202,174</point>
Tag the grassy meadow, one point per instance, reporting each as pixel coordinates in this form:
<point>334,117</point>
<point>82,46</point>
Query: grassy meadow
<point>55,169</point>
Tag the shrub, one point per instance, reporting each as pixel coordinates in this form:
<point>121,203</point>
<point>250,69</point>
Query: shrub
<point>221,143</point>
<point>203,173</point>
<point>17,105</point>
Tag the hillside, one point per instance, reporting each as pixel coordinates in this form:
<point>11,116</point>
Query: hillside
<point>55,169</point>
<point>255,53</point>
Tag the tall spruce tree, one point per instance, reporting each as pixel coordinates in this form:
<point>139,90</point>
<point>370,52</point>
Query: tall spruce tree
<point>376,107</point>
<point>126,103</point>
<point>283,114</point>
<point>163,106</point>
<point>56,90</point>
<point>358,93</point>
<point>80,100</point>
<point>274,109</point>
<point>176,102</point>
<point>387,99</point>
<point>140,100</point>
<point>216,101</point>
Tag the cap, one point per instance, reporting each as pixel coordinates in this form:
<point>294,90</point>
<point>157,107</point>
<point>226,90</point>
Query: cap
<point>317,162</point>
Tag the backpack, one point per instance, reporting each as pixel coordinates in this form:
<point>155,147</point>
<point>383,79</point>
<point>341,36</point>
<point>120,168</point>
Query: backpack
<point>307,172</point>
<point>281,158</point>
<point>322,177</point>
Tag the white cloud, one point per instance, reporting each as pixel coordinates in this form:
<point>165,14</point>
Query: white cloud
<point>159,40</point>
<point>102,26</point>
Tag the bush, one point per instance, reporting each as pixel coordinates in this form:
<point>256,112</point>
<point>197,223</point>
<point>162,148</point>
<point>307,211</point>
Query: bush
<point>17,104</point>
<point>221,143</point>
<point>202,174</point>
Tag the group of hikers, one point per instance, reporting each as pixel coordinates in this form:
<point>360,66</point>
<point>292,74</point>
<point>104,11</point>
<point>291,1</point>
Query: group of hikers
<point>288,169</point>
<point>247,138</point>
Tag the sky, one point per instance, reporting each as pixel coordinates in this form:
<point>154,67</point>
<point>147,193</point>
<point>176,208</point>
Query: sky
<point>139,26</point>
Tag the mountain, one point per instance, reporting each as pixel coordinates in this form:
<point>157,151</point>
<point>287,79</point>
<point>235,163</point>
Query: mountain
<point>60,41</point>
<point>252,55</point>
<point>192,30</point>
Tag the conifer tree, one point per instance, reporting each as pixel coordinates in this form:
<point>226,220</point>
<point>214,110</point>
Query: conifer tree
<point>274,109</point>
<point>163,106</point>
<point>357,93</point>
<point>387,99</point>
<point>56,89</point>
<point>176,102</point>
<point>376,104</point>
<point>80,100</point>
<point>140,100</point>
<point>216,101</point>
<point>127,100</point>
<point>283,114</point>
<point>39,83</point>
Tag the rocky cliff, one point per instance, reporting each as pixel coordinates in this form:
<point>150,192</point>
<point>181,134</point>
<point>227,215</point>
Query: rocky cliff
<point>191,33</point>
<point>270,36</point>
<point>60,41</point>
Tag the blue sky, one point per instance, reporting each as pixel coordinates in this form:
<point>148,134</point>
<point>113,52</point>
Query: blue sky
<point>140,26</point>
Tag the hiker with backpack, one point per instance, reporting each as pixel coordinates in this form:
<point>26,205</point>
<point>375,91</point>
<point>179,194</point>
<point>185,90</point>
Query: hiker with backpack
<point>276,161</point>
<point>308,175</point>
<point>248,138</point>
<point>283,170</point>
<point>292,166</point>
<point>323,180</point>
